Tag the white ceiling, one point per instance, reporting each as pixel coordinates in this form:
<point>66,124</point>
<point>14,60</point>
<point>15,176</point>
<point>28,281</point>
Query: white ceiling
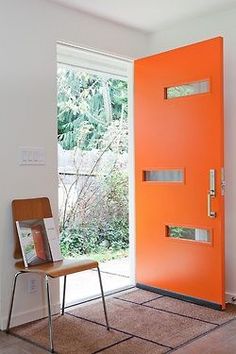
<point>148,15</point>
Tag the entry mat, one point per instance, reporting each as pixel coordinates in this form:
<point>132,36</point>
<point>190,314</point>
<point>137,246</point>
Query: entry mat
<point>141,322</point>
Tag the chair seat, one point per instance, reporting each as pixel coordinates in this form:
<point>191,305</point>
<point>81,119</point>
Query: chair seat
<point>59,268</point>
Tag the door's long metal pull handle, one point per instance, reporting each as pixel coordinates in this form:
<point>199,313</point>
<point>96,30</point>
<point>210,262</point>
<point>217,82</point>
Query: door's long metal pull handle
<point>210,213</point>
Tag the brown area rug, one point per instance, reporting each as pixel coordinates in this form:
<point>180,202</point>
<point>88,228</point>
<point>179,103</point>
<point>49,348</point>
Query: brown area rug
<point>71,335</point>
<point>158,326</point>
<point>192,310</point>
<point>141,322</point>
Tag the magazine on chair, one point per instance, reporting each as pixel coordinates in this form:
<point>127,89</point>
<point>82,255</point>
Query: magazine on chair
<point>39,241</point>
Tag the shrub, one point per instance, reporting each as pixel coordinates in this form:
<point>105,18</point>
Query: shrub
<point>94,238</point>
<point>106,226</point>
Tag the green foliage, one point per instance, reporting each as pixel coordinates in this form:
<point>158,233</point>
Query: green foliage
<point>92,238</point>
<point>116,187</point>
<point>87,106</point>
<point>80,240</point>
<point>116,234</point>
<point>182,232</point>
<point>107,255</point>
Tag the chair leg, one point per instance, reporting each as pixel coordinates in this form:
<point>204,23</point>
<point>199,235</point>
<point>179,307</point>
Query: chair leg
<point>64,295</point>
<point>103,299</point>
<point>12,301</point>
<point>49,315</point>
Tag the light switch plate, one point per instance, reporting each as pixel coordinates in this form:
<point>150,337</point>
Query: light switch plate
<point>31,155</point>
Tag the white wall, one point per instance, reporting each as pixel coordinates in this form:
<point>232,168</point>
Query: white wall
<point>223,24</point>
<point>29,30</point>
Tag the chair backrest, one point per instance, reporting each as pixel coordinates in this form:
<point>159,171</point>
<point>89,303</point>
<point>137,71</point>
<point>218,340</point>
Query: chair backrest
<point>26,209</point>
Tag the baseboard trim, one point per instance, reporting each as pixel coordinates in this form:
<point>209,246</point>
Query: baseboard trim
<point>29,316</point>
<point>197,301</point>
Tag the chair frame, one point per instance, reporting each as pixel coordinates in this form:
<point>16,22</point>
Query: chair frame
<point>47,286</point>
<point>47,277</point>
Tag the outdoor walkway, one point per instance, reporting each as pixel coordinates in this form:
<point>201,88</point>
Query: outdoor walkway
<point>84,285</point>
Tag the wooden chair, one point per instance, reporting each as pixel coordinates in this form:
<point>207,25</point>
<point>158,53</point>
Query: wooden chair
<point>37,208</point>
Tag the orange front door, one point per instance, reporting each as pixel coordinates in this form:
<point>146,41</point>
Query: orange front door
<point>179,171</point>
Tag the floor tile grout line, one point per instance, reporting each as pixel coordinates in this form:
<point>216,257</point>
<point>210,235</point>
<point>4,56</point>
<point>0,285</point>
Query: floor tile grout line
<point>156,298</point>
<point>119,330</point>
<point>112,345</point>
<point>180,314</point>
<point>91,321</point>
<point>137,303</point>
<point>200,336</point>
<point>130,301</point>
<point>167,311</point>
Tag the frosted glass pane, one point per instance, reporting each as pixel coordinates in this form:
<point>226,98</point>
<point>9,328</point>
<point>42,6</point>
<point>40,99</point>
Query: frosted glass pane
<point>175,175</point>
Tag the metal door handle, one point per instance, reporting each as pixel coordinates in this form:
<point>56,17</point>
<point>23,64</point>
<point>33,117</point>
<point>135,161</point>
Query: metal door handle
<point>211,193</point>
<point>210,213</point>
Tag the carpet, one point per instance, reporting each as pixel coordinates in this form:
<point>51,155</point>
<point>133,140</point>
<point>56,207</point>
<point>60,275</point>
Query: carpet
<point>141,322</point>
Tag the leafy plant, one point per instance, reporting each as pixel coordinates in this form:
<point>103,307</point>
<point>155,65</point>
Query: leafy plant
<point>87,106</point>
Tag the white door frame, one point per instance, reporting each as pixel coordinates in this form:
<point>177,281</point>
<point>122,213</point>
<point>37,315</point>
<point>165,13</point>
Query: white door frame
<point>118,67</point>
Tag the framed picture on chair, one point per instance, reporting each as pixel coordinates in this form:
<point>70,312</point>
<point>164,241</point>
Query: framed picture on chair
<point>39,241</point>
